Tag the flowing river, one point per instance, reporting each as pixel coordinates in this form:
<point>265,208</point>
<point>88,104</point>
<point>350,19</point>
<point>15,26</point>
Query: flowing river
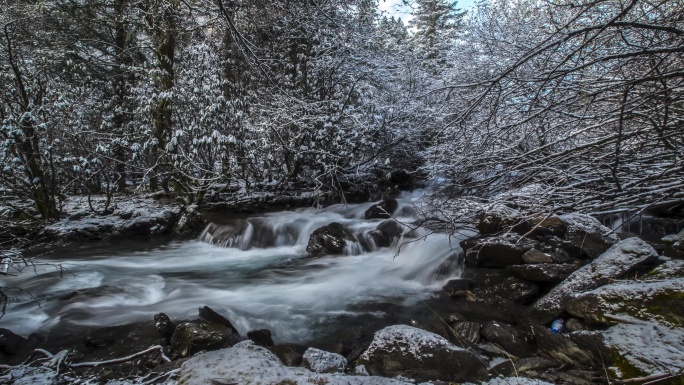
<point>257,273</point>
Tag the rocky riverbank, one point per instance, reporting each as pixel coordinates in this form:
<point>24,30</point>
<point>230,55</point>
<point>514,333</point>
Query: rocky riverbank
<point>558,299</point>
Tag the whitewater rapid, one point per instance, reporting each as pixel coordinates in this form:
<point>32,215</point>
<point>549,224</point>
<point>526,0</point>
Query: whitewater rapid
<point>265,279</point>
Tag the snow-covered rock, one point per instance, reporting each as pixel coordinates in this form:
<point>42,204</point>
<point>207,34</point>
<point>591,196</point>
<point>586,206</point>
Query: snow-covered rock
<point>671,268</point>
<point>615,263</point>
<point>587,233</point>
<point>247,363</point>
<point>406,351</point>
<point>496,218</point>
<point>321,361</point>
<point>660,301</point>
<point>646,347</point>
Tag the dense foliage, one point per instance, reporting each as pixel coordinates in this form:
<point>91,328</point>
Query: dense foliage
<point>570,105</point>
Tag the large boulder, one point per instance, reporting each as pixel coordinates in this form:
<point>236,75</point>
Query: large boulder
<point>247,363</point>
<point>621,259</point>
<point>544,272</point>
<point>414,353</point>
<point>647,349</point>
<point>587,234</point>
<point>661,301</point>
<point>321,361</point>
<point>329,239</point>
<point>384,209</point>
<point>499,251</point>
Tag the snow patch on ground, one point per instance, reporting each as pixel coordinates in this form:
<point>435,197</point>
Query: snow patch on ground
<point>247,363</point>
<point>652,348</point>
<point>408,340</point>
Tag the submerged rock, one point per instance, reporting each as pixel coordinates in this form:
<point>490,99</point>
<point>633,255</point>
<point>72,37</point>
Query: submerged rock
<point>384,209</point>
<point>621,259</point>
<point>661,301</point>
<point>387,232</point>
<point>329,239</point>
<point>321,361</point>
<point>414,353</point>
<point>247,363</point>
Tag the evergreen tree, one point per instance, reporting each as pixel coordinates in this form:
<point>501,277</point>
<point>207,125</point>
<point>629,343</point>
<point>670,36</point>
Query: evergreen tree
<point>437,23</point>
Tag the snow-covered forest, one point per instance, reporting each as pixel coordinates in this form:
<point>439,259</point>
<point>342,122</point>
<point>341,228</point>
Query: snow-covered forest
<point>556,105</point>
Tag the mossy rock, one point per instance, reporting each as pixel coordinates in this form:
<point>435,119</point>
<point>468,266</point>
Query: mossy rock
<point>659,301</point>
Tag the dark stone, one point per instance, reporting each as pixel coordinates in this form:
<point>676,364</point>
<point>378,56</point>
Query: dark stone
<point>165,326</point>
<point>386,232</point>
<point>466,331</point>
<point>498,218</point>
<point>547,272</point>
<point>192,337</point>
<point>498,252</point>
<point>508,338</point>
<point>586,233</point>
<point>535,256</point>
<point>401,179</point>
<point>330,239</point>
<point>458,284</point>
<point>10,343</point>
<point>562,348</point>
<point>575,325</point>
<point>209,315</point>
<point>381,210</point>
<point>261,337</point>
<point>191,222</point>
<point>290,355</point>
<point>516,290</point>
<point>449,267</point>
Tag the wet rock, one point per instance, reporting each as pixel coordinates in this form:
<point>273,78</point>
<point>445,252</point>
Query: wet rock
<point>165,326</point>
<point>516,290</point>
<point>261,337</point>
<point>10,343</point>
<point>191,337</point>
<point>449,267</point>
<point>562,348</point>
<point>330,239</point>
<point>466,331</point>
<point>191,222</point>
<point>247,363</point>
<point>621,259</point>
<point>290,355</point>
<point>320,361</point>
<point>381,210</point>
<point>402,179</point>
<point>498,252</point>
<point>588,234</point>
<point>547,272</point>
<point>535,256</point>
<point>420,355</point>
<point>661,301</point>
<point>458,284</point>
<point>507,337</point>
<point>455,317</point>
<point>387,232</point>
<point>208,314</point>
<point>498,218</point>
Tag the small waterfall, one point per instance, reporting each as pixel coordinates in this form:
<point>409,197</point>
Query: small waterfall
<point>238,234</point>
